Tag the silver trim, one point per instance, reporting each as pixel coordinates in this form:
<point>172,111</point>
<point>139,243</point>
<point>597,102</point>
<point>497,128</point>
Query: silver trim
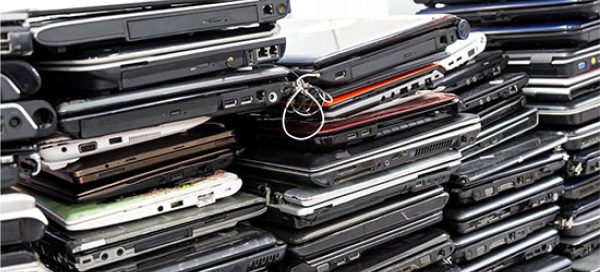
<point>150,59</point>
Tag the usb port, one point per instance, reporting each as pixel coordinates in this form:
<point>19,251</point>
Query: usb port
<point>87,147</point>
<point>250,55</point>
<point>365,132</point>
<point>177,204</point>
<point>230,103</point>
<point>115,140</point>
<point>414,86</point>
<point>5,47</point>
<point>340,75</point>
<point>246,100</point>
<point>351,136</point>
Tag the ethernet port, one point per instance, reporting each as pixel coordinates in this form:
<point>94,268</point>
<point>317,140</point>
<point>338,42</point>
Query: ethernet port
<point>263,53</point>
<point>268,9</point>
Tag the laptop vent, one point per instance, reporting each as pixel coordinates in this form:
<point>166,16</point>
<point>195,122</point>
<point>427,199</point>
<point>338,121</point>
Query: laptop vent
<point>264,261</point>
<point>434,148</point>
<point>141,137</point>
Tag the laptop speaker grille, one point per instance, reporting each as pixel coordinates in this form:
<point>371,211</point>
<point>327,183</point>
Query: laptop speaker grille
<point>435,147</point>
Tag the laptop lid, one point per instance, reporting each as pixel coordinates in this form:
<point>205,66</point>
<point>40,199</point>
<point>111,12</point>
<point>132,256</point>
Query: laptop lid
<point>342,38</point>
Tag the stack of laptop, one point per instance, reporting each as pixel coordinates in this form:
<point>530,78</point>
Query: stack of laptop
<point>24,120</point>
<point>133,179</point>
<point>483,88</point>
<point>503,200</point>
<point>369,174</point>
<point>556,44</point>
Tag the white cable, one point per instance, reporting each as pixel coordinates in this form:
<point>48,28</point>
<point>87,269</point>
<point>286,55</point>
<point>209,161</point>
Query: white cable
<point>305,88</point>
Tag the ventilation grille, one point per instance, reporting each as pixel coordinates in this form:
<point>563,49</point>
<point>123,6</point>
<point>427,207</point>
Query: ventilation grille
<point>264,261</point>
<point>141,137</point>
<point>434,148</point>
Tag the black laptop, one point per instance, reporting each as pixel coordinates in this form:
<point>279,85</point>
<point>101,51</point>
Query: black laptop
<point>224,93</point>
<point>351,50</point>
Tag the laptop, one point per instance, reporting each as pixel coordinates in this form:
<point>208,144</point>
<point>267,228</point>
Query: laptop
<point>484,66</point>
<point>238,249</point>
<point>326,169</point>
<point>587,264</point>
<point>21,222</point>
<point>123,52</point>
<point>584,162</point>
<point>508,154</point>
<point>466,219</point>
<point>547,35</point>
<point>577,112</point>
<point>490,239</point>
<point>550,89</point>
<point>393,213</point>
<point>547,63</point>
<point>572,208</point>
<point>116,22</point>
<point>463,51</point>
<point>20,258</point>
<point>17,39</point>
<point>126,161</point>
<point>358,128</point>
<point>582,137</point>
<point>19,80</point>
<point>579,188</point>
<point>61,151</point>
<point>301,207</point>
<point>405,254</point>
<point>523,12</point>
<point>493,90</point>
<point>543,263</point>
<point>496,111</point>
<point>150,69</point>
<point>224,93</point>
<point>95,248</point>
<point>381,94</point>
<point>351,49</point>
<point>579,247</point>
<point>581,224</point>
<point>538,243</point>
<point>166,174</point>
<point>512,178</point>
<point>27,120</point>
<point>201,191</point>
<point>340,257</point>
<point>497,133</point>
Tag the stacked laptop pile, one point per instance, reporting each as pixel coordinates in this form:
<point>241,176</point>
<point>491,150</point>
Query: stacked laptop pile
<point>134,181</point>
<point>24,120</point>
<point>556,44</point>
<point>352,179</point>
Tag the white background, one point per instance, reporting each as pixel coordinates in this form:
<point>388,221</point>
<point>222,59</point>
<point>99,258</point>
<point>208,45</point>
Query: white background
<point>300,8</point>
